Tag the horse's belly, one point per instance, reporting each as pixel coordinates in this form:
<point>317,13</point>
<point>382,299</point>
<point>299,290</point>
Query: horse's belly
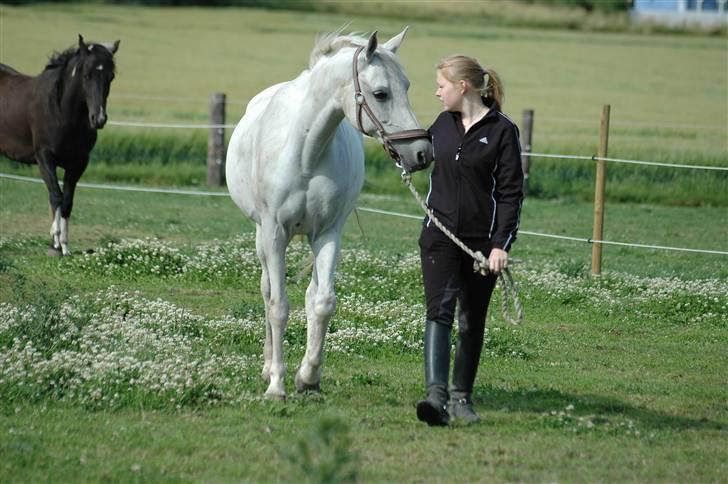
<point>16,141</point>
<point>17,149</point>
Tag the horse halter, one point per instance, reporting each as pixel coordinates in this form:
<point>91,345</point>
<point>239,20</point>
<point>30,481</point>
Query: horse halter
<point>387,138</point>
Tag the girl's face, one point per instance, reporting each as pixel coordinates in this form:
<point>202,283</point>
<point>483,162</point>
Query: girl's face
<point>449,93</point>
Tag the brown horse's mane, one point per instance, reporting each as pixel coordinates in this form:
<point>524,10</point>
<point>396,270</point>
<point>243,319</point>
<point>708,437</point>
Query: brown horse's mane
<point>61,59</point>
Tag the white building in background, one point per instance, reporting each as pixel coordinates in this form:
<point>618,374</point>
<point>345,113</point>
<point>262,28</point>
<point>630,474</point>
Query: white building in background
<point>705,13</point>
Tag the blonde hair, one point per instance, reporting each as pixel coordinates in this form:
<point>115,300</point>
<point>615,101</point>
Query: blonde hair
<point>464,68</point>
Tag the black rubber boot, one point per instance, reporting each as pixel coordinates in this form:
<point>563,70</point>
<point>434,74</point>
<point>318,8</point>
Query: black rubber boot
<point>467,358</point>
<point>433,409</point>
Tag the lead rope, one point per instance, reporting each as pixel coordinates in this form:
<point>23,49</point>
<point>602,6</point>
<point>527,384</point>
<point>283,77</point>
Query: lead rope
<point>480,263</point>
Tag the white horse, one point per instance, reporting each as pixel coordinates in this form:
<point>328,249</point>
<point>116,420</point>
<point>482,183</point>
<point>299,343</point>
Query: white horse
<point>295,165</point>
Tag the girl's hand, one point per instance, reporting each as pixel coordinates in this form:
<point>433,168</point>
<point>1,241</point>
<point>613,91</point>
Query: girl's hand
<point>497,261</point>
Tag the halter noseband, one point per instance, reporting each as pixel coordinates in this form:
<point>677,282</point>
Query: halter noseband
<point>387,138</point>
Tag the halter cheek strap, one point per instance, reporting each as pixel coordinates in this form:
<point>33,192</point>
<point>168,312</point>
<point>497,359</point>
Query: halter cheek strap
<point>363,106</point>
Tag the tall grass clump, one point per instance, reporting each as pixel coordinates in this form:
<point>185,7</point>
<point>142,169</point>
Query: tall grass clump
<point>147,147</point>
<point>323,454</point>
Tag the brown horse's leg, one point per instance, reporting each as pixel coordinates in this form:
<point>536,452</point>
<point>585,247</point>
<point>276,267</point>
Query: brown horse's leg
<point>70,179</point>
<point>48,173</point>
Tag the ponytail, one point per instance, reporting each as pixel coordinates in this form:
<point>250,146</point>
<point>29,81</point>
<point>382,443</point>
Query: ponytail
<point>492,89</point>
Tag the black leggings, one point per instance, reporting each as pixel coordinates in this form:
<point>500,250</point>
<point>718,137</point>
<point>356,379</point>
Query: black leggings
<point>449,277</point>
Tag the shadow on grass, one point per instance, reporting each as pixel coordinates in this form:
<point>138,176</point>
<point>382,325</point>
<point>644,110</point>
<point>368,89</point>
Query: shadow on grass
<point>541,401</point>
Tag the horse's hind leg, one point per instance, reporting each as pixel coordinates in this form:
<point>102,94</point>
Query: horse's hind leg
<point>272,242</point>
<point>320,306</point>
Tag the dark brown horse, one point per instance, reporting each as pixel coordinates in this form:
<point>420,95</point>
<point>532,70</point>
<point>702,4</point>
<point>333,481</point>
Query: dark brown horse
<point>51,120</point>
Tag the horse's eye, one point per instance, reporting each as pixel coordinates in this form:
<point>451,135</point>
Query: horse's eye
<point>380,95</point>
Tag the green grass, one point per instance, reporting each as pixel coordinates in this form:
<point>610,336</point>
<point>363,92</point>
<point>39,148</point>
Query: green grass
<point>616,379</point>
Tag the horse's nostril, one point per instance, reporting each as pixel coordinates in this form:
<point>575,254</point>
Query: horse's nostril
<point>421,156</point>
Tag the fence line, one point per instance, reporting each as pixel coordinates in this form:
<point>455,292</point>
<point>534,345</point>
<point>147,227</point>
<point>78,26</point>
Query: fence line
<point>622,160</point>
<point>121,188</point>
<point>170,125</point>
<point>367,209</point>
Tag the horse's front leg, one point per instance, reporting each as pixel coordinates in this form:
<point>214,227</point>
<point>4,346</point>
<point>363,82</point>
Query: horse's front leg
<point>273,244</point>
<point>320,306</point>
<point>265,291</point>
<point>55,198</point>
<point>70,179</point>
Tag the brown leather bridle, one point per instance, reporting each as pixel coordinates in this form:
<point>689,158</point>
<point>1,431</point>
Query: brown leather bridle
<point>386,138</point>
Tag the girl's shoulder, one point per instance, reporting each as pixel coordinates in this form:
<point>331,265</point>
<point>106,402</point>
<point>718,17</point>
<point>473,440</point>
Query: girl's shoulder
<point>505,121</point>
<point>443,120</point>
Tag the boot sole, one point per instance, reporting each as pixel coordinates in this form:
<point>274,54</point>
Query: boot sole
<point>427,412</point>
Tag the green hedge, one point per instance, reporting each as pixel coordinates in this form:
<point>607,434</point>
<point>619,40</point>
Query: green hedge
<point>178,159</point>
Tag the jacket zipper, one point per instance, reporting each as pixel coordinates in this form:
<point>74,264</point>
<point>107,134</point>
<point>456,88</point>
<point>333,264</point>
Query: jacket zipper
<point>460,185</point>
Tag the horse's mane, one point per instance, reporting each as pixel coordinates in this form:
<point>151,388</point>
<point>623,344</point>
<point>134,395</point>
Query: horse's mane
<point>58,63</point>
<point>329,44</point>
<point>61,59</point>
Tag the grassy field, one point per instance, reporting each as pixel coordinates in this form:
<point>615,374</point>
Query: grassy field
<point>667,93</point>
<point>138,358</point>
<point>140,361</point>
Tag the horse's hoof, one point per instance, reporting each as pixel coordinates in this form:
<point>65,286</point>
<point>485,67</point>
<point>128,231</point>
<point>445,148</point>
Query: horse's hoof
<point>53,252</point>
<point>276,397</point>
<point>302,386</point>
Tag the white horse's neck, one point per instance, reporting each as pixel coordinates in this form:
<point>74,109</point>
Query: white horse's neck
<point>321,111</point>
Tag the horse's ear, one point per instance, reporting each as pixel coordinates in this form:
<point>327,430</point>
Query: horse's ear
<point>113,47</point>
<point>81,44</point>
<point>394,43</point>
<point>371,46</point>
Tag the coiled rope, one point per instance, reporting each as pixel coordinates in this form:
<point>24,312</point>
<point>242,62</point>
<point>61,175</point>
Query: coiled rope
<point>480,262</point>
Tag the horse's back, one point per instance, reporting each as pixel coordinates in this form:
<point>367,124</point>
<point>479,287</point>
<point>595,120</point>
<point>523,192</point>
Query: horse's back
<point>7,70</point>
<point>16,100</point>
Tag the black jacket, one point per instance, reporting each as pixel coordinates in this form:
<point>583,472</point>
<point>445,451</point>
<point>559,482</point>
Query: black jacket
<point>476,186</point>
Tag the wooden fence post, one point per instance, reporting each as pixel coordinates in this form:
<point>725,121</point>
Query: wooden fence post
<point>526,133</point>
<point>601,180</point>
<point>216,141</point>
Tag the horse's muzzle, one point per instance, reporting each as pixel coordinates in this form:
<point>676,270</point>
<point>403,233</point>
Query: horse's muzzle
<point>97,121</point>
